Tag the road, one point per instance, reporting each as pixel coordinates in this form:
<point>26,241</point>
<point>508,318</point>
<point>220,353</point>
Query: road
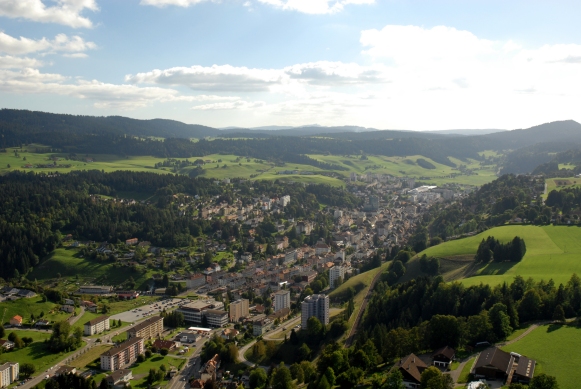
<point>268,336</point>
<point>191,368</point>
<point>74,319</point>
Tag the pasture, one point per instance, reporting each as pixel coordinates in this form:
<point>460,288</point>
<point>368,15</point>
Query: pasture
<point>553,252</point>
<point>556,349</point>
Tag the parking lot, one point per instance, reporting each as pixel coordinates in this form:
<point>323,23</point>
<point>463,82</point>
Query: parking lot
<point>146,311</point>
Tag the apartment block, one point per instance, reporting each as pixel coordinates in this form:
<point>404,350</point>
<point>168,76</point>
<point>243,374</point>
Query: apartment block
<point>281,300</point>
<point>239,309</point>
<point>9,373</point>
<point>122,355</point>
<point>335,273</point>
<point>147,329</point>
<point>315,305</point>
<point>96,326</point>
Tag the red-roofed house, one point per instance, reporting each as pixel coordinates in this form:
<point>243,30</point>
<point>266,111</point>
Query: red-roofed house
<point>16,321</point>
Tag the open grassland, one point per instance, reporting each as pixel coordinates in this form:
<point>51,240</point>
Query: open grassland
<point>142,369</point>
<point>37,353</point>
<point>66,262</point>
<point>553,252</point>
<point>90,356</point>
<point>556,348</point>
<point>32,306</point>
<point>408,166</point>
<point>232,166</point>
<point>562,183</point>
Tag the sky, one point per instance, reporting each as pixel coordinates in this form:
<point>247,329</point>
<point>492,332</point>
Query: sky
<point>386,64</point>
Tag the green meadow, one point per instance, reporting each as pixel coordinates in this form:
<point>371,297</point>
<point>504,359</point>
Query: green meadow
<point>36,353</point>
<point>232,166</point>
<point>562,183</point>
<point>66,262</point>
<point>552,252</point>
<point>556,349</point>
<point>26,307</point>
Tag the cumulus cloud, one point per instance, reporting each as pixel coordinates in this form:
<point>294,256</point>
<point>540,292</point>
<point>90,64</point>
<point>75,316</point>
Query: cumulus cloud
<point>10,62</point>
<point>61,43</point>
<point>242,79</point>
<point>65,12</point>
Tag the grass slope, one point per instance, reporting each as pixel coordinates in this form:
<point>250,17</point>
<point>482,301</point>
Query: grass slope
<point>552,252</point>
<point>556,348</point>
<point>37,353</point>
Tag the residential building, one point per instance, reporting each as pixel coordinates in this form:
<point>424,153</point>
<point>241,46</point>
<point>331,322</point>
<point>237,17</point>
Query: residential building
<point>210,368</point>
<point>239,309</point>
<point>281,300</point>
<point>284,200</point>
<point>64,370</point>
<point>322,248</point>
<point>16,321</point>
<point>316,305</point>
<point>195,281</point>
<point>411,368</point>
<point>94,289</point>
<point>128,294</point>
<point>336,273</point>
<point>6,344</point>
<point>131,242</point>
<point>96,326</point>
<point>161,344</point>
<point>147,329</point>
<point>122,355</point>
<point>261,325</point>
<point>493,363</point>
<point>119,379</point>
<point>68,308</point>
<point>216,317</point>
<point>303,227</point>
<point>9,373</point>
<point>443,357</point>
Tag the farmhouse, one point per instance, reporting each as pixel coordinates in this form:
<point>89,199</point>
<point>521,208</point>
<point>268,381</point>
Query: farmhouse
<point>493,363</point>
<point>16,321</point>
<point>444,356</point>
<point>411,368</point>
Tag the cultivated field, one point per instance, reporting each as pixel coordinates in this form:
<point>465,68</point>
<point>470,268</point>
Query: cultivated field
<point>562,183</point>
<point>552,252</point>
<point>556,348</point>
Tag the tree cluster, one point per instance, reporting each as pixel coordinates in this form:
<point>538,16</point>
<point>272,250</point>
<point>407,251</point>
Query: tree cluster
<point>491,248</point>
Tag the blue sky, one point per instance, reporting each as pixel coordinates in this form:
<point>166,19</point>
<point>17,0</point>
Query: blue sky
<point>388,64</point>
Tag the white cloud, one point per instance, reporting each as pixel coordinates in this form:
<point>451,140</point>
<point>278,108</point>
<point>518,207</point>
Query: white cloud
<point>314,6</point>
<point>304,6</point>
<point>65,12</point>
<point>242,79</point>
<point>238,104</point>
<point>10,62</point>
<point>179,3</point>
<point>61,43</point>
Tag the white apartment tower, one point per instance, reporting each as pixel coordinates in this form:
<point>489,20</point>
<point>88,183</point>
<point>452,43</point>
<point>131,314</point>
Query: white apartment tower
<point>281,300</point>
<point>335,273</point>
<point>315,305</point>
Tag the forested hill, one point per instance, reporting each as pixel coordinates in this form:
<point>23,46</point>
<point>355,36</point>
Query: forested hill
<point>22,124</point>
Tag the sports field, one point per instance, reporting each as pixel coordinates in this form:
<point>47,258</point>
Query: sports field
<point>552,252</point>
<point>556,349</point>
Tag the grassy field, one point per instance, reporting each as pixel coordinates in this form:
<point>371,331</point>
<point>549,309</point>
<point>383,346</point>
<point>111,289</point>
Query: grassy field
<point>232,166</point>
<point>556,348</point>
<point>26,307</point>
<point>66,262</point>
<point>562,183</point>
<point>90,356</point>
<point>142,369</point>
<point>360,283</point>
<point>37,353</point>
<point>407,166</point>
<point>552,252</point>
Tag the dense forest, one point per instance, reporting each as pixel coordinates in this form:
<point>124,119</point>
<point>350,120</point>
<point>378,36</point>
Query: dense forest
<point>427,313</point>
<point>38,209</point>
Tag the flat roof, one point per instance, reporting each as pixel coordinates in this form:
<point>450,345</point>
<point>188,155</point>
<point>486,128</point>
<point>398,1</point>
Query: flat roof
<point>200,329</point>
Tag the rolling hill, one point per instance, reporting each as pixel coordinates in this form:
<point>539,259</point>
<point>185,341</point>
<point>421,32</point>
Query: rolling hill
<point>553,252</point>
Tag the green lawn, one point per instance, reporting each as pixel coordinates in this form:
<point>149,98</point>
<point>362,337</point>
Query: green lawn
<point>556,348</point>
<point>552,252</point>
<point>153,363</point>
<point>67,262</point>
<point>90,356</point>
<point>562,183</point>
<point>37,353</point>
<point>465,371</point>
<point>25,307</point>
